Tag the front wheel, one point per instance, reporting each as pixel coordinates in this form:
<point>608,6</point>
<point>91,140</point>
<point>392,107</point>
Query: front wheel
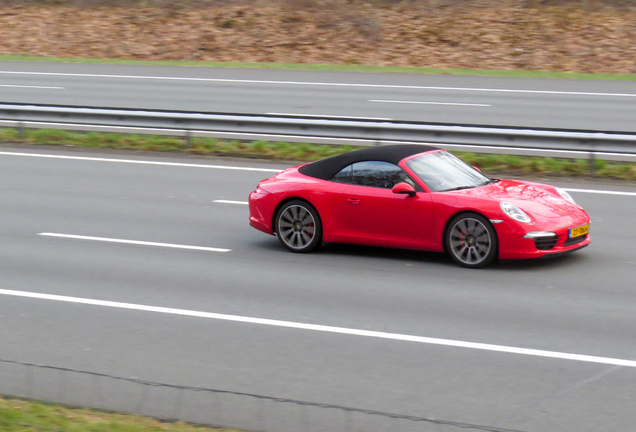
<point>298,226</point>
<point>471,241</point>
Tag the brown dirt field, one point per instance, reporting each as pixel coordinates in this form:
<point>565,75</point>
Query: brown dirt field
<point>504,36</point>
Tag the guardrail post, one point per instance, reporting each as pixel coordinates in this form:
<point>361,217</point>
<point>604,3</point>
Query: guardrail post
<point>21,131</point>
<point>592,158</point>
<point>188,139</point>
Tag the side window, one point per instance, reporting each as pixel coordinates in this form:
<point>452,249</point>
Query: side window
<point>379,174</point>
<point>345,175</point>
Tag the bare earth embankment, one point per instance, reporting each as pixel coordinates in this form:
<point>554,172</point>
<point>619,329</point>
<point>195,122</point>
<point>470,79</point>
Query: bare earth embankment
<point>508,36</point>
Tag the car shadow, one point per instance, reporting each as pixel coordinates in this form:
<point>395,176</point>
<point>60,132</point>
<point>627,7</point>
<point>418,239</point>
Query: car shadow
<point>352,250</point>
<point>563,261</point>
<point>384,253</point>
<point>418,256</point>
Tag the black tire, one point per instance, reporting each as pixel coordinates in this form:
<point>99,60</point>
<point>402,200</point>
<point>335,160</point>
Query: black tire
<point>298,226</point>
<point>471,240</point>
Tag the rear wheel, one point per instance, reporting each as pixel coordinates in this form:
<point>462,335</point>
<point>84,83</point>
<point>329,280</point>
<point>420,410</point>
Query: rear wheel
<point>298,226</point>
<point>471,240</point>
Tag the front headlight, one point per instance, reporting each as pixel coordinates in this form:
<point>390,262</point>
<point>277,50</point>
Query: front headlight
<point>565,195</point>
<point>514,212</point>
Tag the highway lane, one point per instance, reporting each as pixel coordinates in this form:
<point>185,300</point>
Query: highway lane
<point>581,303</point>
<point>517,102</point>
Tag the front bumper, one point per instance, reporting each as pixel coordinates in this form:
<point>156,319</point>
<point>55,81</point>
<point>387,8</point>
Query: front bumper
<point>514,244</point>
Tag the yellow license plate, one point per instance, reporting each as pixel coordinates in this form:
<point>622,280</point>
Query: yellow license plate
<point>579,231</point>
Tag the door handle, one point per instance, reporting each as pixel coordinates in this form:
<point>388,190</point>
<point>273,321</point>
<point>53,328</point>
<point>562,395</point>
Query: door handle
<point>354,201</point>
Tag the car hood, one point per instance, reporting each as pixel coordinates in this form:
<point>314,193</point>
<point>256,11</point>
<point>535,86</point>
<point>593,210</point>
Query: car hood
<point>533,198</point>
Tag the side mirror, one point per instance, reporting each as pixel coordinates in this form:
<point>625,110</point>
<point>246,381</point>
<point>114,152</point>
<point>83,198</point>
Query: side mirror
<point>476,168</point>
<point>404,188</point>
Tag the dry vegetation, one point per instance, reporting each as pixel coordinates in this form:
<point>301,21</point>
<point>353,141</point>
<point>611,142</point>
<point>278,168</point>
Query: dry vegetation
<point>505,35</point>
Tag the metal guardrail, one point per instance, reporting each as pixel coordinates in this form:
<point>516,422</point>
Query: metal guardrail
<point>325,130</point>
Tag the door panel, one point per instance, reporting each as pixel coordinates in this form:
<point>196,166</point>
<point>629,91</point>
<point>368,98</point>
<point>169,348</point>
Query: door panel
<point>377,216</point>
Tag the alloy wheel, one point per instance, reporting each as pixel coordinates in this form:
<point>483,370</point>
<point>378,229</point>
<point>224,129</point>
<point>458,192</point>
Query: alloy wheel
<point>298,228</point>
<point>471,242</point>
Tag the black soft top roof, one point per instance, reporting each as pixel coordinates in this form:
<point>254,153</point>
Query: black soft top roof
<point>327,168</point>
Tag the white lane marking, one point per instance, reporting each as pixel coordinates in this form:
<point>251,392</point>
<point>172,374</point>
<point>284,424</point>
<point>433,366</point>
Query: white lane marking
<point>327,329</point>
<point>593,191</point>
<point>324,84</point>
<point>231,202</point>
<point>141,162</point>
<point>429,103</point>
<point>330,116</point>
<point>31,87</point>
<point>134,242</point>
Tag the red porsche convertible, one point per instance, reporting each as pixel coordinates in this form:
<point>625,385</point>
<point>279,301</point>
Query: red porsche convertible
<point>417,197</point>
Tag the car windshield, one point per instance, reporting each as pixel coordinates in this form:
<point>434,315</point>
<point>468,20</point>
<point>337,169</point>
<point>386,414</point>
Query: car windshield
<point>441,171</point>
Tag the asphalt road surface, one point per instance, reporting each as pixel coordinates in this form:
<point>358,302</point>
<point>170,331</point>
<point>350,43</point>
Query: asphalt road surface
<point>371,328</point>
<point>517,102</point>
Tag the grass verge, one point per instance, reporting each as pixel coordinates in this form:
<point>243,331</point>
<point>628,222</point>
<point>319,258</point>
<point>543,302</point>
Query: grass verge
<point>27,416</point>
<point>335,67</point>
<point>492,164</point>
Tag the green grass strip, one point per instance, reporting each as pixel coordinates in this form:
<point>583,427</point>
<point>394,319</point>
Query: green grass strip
<point>335,67</point>
<point>492,164</point>
<point>28,416</point>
